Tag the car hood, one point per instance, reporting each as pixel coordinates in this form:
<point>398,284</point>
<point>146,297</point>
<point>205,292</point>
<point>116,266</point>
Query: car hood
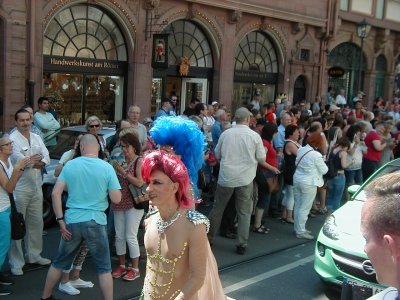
<point>347,225</point>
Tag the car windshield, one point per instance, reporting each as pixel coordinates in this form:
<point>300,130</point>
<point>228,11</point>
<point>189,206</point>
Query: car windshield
<point>391,167</point>
<point>65,141</point>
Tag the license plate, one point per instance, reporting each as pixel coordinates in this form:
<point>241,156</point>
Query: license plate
<point>364,286</point>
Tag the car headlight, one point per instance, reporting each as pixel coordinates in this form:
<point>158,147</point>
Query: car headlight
<point>330,228</point>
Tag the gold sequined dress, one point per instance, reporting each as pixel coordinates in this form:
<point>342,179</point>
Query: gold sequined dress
<point>162,273</point>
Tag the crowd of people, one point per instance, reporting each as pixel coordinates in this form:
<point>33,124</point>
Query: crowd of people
<point>270,159</point>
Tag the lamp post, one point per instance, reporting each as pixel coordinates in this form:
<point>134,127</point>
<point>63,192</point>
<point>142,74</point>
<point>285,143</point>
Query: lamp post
<point>363,29</point>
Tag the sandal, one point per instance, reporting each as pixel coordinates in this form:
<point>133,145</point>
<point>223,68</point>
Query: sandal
<point>261,230</point>
<point>289,221</point>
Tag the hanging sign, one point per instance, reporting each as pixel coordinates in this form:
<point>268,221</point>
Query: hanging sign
<point>336,71</point>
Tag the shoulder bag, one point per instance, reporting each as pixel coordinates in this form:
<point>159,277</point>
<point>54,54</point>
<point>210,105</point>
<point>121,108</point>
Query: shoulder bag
<point>18,228</point>
<point>139,195</point>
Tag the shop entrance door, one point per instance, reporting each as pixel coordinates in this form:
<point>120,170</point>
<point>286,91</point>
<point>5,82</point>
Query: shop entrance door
<point>193,88</point>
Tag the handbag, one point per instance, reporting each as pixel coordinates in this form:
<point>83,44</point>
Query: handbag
<point>18,228</point>
<point>139,194</point>
<point>273,184</point>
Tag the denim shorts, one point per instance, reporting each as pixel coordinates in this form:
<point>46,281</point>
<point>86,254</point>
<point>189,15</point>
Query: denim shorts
<point>96,238</point>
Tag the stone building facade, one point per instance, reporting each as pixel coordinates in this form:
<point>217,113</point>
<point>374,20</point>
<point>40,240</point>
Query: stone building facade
<point>100,56</point>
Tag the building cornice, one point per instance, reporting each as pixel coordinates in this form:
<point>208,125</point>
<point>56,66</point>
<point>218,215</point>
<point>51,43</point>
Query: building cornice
<point>263,10</point>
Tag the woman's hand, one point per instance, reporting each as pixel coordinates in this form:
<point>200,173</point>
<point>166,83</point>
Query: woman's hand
<point>22,163</point>
<point>275,170</point>
<point>120,170</point>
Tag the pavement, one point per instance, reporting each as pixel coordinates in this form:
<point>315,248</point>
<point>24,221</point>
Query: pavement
<point>281,237</point>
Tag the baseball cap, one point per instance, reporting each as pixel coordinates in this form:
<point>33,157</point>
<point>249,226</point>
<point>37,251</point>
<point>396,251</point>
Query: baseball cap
<point>147,121</point>
<point>214,103</point>
<point>333,107</point>
<point>258,94</point>
<point>242,113</point>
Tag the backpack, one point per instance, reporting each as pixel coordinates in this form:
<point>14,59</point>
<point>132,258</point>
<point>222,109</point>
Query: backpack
<point>331,163</point>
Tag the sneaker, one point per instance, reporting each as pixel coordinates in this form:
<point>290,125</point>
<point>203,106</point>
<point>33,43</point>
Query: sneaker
<point>17,272</point>
<point>79,283</point>
<point>118,272</point>
<point>4,290</point>
<point>68,289</point>
<point>305,235</point>
<point>131,275</point>
<point>5,280</point>
<point>42,261</point>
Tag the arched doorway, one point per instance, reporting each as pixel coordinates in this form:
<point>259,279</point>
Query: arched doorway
<point>185,40</point>
<point>299,91</point>
<point>347,56</point>
<point>85,63</point>
<point>256,70</point>
<point>380,67</point>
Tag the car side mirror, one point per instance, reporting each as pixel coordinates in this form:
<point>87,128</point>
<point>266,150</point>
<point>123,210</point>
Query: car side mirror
<point>353,189</point>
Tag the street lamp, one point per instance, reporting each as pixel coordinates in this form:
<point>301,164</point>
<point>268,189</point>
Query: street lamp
<point>363,29</point>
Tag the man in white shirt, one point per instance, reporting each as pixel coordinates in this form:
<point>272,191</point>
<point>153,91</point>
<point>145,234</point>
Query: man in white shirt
<point>341,99</point>
<point>380,226</point>
<point>46,122</point>
<point>28,193</point>
<point>239,150</point>
<point>133,118</point>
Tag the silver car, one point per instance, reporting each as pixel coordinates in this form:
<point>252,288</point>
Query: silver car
<point>65,141</point>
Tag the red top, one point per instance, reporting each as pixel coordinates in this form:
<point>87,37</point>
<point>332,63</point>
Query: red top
<point>271,157</point>
<point>372,153</point>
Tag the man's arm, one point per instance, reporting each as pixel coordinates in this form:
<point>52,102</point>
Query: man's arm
<point>115,196</point>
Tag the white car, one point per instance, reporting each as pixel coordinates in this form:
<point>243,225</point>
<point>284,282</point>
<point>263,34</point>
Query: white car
<point>65,141</point>
<point>339,250</point>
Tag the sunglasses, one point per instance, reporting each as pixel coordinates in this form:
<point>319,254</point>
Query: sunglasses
<point>94,125</point>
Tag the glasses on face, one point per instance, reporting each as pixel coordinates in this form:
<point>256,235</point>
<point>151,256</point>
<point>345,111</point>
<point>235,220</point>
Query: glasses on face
<point>94,125</point>
<point>7,144</point>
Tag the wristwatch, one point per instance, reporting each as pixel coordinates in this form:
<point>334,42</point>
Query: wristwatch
<point>60,218</point>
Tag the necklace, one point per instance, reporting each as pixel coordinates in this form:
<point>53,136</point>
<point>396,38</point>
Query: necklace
<point>163,225</point>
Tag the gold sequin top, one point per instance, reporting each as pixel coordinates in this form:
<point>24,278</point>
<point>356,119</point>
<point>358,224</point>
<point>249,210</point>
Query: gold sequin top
<point>164,268</point>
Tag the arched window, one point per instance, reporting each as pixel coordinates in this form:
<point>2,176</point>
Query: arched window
<point>84,31</point>
<point>255,52</point>
<point>188,40</point>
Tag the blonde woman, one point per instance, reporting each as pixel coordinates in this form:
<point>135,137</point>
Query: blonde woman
<point>93,125</point>
<point>9,177</point>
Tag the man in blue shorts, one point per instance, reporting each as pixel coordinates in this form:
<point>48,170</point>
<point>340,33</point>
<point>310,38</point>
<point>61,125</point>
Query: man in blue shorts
<point>88,180</point>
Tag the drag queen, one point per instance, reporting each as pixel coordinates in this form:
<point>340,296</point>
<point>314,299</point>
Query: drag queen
<point>180,264</point>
